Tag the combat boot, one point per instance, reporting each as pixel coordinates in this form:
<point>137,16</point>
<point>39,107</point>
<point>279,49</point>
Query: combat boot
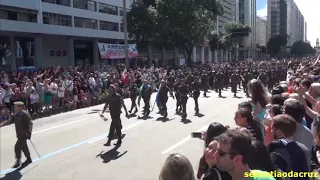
<point>17,164</point>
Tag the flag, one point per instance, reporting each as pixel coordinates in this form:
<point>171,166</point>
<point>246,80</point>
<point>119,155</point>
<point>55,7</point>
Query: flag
<point>140,94</point>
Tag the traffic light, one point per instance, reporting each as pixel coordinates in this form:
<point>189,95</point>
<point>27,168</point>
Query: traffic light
<point>240,32</point>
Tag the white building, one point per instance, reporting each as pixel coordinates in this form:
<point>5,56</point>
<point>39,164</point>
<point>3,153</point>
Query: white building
<point>59,32</point>
<point>285,18</point>
<point>261,33</point>
<point>247,14</point>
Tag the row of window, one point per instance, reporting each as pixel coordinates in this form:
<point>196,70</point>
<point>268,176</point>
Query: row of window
<point>65,20</point>
<point>89,5</point>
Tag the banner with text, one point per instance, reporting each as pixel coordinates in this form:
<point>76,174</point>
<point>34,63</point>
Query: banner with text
<point>116,51</point>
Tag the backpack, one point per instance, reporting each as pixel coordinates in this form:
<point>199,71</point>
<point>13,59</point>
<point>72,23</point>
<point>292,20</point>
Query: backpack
<point>289,156</point>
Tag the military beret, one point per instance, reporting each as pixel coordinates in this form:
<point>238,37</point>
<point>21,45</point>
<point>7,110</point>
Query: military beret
<point>18,103</point>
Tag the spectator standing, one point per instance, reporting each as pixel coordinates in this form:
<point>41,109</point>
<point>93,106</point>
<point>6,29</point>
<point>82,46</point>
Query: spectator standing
<point>234,149</point>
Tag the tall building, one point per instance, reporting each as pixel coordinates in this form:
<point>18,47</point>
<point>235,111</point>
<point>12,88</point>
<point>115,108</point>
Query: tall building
<point>285,18</point>
<point>305,32</point>
<point>247,14</point>
<point>261,33</point>
<point>59,32</point>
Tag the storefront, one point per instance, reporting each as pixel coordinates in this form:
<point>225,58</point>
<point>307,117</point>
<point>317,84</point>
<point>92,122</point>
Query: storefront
<point>24,51</point>
<point>83,52</point>
<point>5,53</point>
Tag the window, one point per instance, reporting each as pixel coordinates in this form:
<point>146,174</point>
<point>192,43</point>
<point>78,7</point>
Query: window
<point>57,19</point>
<point>108,9</point>
<point>85,4</point>
<point>109,26</point>
<point>85,23</point>
<point>121,27</point>
<point>58,2</point>
<point>18,14</point>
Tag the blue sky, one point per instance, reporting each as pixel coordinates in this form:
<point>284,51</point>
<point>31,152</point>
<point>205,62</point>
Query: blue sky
<point>261,4</point>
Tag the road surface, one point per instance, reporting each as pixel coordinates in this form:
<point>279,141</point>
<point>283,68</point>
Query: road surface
<point>71,144</point>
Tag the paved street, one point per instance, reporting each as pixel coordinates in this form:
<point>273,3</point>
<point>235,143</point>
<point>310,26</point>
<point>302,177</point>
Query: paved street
<point>71,145</point>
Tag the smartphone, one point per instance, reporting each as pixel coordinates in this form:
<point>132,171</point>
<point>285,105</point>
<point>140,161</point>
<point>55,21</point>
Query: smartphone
<point>196,135</point>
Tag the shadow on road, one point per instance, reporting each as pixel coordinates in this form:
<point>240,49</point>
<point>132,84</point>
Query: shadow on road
<point>131,116</point>
<point>186,121</point>
<point>223,97</point>
<point>144,117</point>
<point>237,97</point>
<point>111,155</point>
<point>163,119</point>
<point>199,115</point>
<point>14,175</point>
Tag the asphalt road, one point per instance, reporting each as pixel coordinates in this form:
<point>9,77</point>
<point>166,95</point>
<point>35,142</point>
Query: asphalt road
<point>71,144</point>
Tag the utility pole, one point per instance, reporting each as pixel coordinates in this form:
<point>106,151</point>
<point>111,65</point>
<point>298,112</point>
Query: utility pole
<point>125,31</point>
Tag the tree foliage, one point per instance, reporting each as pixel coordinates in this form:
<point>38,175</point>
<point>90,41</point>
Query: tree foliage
<point>181,23</point>
<point>235,34</point>
<point>300,48</point>
<point>275,44</point>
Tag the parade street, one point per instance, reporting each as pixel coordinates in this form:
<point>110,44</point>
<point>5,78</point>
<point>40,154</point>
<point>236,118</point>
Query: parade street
<point>71,144</point>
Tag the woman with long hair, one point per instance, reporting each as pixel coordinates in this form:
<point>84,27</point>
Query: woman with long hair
<point>214,130</point>
<point>259,100</point>
<point>244,118</point>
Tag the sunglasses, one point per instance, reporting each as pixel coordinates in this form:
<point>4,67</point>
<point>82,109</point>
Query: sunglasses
<point>222,153</point>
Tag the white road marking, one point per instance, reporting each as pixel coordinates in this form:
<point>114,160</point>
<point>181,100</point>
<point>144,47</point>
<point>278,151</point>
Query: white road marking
<point>62,125</point>
<point>183,141</point>
<point>130,126</point>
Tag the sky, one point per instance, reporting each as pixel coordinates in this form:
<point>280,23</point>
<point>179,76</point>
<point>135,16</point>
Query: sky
<point>310,11</point>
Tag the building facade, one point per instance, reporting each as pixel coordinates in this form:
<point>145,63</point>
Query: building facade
<point>58,32</point>
<point>202,53</point>
<point>305,32</point>
<point>247,14</point>
<point>261,34</point>
<point>285,18</point>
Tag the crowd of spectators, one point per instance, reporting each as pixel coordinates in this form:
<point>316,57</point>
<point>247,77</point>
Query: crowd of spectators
<point>277,134</point>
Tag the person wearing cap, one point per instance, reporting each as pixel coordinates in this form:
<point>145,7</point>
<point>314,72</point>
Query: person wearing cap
<point>23,126</point>
<point>184,91</point>
<point>195,89</point>
<point>177,95</point>
<point>163,97</point>
<point>115,102</point>
<point>146,95</point>
<point>204,83</point>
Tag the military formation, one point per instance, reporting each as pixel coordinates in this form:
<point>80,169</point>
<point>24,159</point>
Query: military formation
<point>180,84</point>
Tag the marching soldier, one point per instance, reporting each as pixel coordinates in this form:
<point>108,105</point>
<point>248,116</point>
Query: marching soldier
<point>183,90</point>
<point>133,89</point>
<point>115,103</point>
<point>23,125</point>
<point>219,82</point>
<point>234,80</point>
<point>163,97</point>
<point>196,93</point>
<point>146,95</point>
<point>177,95</point>
<point>204,83</point>
<point>246,78</point>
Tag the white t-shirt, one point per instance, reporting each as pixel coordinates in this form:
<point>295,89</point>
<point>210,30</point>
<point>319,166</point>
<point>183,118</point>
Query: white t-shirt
<point>34,98</point>
<point>53,88</point>
<point>61,92</point>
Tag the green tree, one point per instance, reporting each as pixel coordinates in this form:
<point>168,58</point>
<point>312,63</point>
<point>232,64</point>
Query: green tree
<point>235,34</point>
<point>179,23</point>
<point>300,48</point>
<point>275,44</point>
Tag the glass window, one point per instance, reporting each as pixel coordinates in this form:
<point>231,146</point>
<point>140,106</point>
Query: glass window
<point>85,23</point>
<point>57,19</point>
<point>108,9</point>
<point>85,4</point>
<point>5,51</point>
<point>109,26</point>
<point>18,15</point>
<point>122,27</point>
<point>58,2</point>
